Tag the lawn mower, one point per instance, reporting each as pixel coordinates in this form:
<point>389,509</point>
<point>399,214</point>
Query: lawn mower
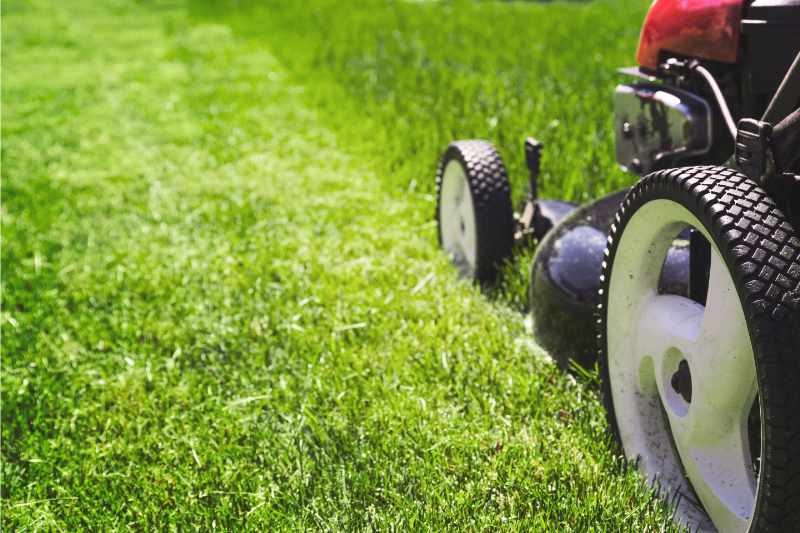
<point>685,288</point>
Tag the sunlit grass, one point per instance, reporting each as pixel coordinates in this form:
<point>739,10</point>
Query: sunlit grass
<point>407,78</point>
<point>221,309</point>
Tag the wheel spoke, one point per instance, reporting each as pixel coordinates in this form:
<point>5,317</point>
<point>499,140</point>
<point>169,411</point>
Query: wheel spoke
<point>720,472</point>
<point>722,364</point>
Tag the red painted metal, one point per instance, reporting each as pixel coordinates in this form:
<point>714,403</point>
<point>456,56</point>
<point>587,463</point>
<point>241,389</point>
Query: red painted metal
<point>705,29</point>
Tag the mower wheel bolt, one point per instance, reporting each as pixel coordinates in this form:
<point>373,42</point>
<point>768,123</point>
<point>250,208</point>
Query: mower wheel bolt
<point>627,130</point>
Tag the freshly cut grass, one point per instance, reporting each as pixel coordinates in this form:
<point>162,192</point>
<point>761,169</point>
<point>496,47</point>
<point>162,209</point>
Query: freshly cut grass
<point>219,313</point>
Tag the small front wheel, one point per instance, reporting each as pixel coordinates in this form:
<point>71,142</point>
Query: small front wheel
<point>474,214</point>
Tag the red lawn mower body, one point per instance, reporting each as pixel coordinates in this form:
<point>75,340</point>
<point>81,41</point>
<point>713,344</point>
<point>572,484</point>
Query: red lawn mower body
<point>703,29</point>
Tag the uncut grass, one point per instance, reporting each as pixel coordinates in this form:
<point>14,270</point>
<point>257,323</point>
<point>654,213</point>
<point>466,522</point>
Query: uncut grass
<point>215,316</point>
<point>403,79</point>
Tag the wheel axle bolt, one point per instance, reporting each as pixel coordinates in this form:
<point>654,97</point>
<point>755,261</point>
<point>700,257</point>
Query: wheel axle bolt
<point>627,130</point>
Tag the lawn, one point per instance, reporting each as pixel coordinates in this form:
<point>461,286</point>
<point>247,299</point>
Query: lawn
<point>223,303</point>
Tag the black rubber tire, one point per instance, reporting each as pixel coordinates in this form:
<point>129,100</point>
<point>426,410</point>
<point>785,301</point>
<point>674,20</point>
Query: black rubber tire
<point>491,198</point>
<point>762,252</point>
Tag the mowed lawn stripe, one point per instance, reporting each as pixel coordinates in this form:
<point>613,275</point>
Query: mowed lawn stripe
<point>214,317</point>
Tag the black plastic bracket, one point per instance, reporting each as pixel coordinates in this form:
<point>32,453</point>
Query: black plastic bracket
<point>699,266</point>
<point>753,152</point>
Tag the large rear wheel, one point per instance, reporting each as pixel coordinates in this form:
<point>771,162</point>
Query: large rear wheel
<point>704,393</point>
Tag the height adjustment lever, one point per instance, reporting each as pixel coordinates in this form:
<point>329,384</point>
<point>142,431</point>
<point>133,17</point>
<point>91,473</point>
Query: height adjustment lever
<point>526,221</point>
<point>533,156</point>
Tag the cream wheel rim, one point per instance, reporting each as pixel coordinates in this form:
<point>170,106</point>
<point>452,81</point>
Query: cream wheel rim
<point>457,219</point>
<point>701,439</point>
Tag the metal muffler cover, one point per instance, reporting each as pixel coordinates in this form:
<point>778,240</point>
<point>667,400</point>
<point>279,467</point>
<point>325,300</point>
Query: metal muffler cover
<point>657,126</point>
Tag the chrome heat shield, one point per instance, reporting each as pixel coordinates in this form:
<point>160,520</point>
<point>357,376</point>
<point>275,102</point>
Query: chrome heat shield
<point>656,126</point>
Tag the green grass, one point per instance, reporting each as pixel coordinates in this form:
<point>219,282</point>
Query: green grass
<point>223,306</point>
<point>415,75</point>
